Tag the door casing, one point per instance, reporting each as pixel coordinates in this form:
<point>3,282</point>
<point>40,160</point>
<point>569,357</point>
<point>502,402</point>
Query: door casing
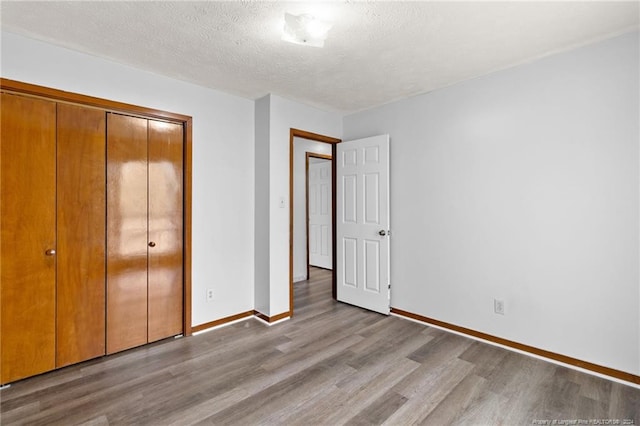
<point>293,133</point>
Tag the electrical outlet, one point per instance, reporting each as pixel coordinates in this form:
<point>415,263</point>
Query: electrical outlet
<point>209,294</point>
<point>498,306</point>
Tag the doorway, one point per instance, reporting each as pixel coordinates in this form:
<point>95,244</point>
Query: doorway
<point>318,212</point>
<point>326,145</point>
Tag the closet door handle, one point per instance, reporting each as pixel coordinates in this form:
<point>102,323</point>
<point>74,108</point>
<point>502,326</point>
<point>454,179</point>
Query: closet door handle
<point>152,244</point>
<point>50,252</point>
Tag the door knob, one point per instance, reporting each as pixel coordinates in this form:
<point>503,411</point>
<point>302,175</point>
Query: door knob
<point>50,252</point>
<point>382,232</point>
<point>152,244</point>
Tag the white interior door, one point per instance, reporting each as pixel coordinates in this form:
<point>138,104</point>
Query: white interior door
<point>362,228</point>
<point>320,252</point>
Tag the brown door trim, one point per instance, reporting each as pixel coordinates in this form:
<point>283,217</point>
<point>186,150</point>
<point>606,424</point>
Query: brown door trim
<point>306,194</point>
<point>186,121</point>
<point>76,98</point>
<point>293,133</point>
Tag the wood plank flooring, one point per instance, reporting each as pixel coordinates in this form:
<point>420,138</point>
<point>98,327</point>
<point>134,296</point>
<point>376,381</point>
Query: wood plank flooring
<point>331,364</point>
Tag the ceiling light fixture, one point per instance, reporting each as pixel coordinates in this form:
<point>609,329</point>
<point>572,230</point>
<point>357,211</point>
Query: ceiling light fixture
<point>305,29</point>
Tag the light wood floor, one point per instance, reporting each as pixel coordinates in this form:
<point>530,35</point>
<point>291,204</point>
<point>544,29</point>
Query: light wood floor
<point>331,364</point>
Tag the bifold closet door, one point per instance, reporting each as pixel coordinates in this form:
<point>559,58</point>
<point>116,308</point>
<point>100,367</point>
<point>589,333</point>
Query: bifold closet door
<point>144,231</point>
<point>165,230</point>
<point>127,241</point>
<point>28,237</point>
<point>81,219</point>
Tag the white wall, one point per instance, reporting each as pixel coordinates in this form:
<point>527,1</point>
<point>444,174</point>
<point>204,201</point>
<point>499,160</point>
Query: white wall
<point>524,186</point>
<point>284,115</point>
<point>300,148</point>
<point>223,159</point>
<point>261,283</point>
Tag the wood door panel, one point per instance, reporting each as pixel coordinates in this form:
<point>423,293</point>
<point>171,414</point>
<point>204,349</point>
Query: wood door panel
<point>165,229</point>
<point>28,230</point>
<point>126,232</point>
<point>81,234</point>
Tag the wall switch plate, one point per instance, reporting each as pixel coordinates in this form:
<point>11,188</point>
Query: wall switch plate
<point>498,306</point>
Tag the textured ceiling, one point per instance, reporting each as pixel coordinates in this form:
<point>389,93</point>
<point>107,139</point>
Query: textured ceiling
<point>375,53</point>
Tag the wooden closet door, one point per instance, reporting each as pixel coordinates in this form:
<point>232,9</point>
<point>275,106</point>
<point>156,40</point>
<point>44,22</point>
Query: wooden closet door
<point>126,232</point>
<point>165,229</point>
<point>28,236</point>
<point>81,234</point>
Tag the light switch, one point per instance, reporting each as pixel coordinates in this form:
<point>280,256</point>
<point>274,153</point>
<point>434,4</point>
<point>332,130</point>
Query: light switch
<point>282,202</point>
